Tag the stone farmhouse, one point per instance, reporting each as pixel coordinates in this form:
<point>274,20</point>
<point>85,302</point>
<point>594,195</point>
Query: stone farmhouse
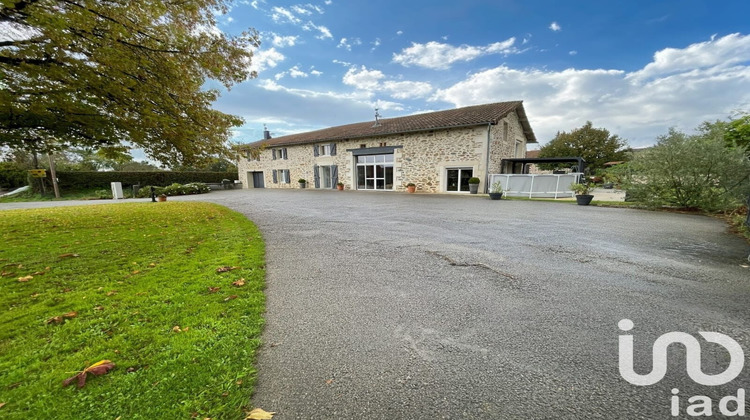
<point>437,151</point>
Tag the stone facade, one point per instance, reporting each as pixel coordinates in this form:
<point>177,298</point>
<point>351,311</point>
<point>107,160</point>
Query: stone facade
<point>422,158</point>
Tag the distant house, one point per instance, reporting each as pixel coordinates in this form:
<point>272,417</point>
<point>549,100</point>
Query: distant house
<point>437,151</point>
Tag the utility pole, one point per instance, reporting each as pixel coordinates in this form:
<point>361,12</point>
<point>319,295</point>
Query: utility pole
<point>53,174</point>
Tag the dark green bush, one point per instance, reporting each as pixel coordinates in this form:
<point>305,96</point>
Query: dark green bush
<point>175,189</point>
<point>12,176</point>
<point>83,180</point>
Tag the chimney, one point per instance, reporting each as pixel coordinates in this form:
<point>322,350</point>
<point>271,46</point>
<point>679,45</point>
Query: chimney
<point>266,133</point>
<point>377,118</point>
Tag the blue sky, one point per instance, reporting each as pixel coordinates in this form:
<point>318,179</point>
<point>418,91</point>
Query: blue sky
<point>633,67</point>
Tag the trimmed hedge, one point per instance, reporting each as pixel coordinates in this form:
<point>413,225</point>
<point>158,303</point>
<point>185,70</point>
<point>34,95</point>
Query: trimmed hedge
<point>12,176</point>
<point>80,180</point>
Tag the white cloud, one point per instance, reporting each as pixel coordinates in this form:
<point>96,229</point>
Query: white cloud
<point>324,32</point>
<point>362,78</point>
<point>399,33</point>
<point>407,89</point>
<point>301,10</point>
<point>316,72</point>
<point>295,72</point>
<point>266,59</point>
<point>554,26</point>
<point>328,2</point>
<point>284,41</point>
<point>347,43</point>
<point>281,15</point>
<point>680,88</point>
<point>439,56</point>
<point>375,44</point>
<point>573,52</point>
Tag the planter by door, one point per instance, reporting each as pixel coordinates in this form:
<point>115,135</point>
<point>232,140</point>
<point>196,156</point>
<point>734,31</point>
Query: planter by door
<point>411,188</point>
<point>340,187</point>
<point>584,199</point>
<point>473,188</point>
<point>496,196</point>
<point>302,184</point>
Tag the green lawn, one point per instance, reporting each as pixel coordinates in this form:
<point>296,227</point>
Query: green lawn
<point>138,277</point>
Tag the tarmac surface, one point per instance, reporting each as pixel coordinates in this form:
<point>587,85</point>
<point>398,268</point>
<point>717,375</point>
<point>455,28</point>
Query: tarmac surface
<point>417,306</point>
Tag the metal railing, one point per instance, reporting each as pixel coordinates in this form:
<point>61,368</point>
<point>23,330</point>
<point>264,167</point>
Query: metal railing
<point>539,186</point>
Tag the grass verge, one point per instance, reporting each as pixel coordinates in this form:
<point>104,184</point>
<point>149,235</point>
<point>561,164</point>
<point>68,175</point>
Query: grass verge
<point>84,194</point>
<point>142,280</point>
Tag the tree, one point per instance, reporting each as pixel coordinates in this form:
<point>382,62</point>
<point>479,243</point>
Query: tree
<point>595,145</point>
<point>689,171</point>
<point>89,73</point>
<point>738,133</point>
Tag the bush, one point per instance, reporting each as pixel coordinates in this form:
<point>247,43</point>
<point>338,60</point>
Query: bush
<point>474,180</point>
<point>85,180</point>
<point>12,176</point>
<point>175,189</point>
<point>103,194</point>
<point>695,171</point>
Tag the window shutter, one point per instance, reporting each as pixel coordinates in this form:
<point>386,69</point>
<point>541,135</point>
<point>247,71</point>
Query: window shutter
<point>275,177</point>
<point>333,149</point>
<point>286,176</point>
<point>284,152</point>
<point>273,152</point>
<point>334,176</point>
<point>316,175</point>
<point>316,151</point>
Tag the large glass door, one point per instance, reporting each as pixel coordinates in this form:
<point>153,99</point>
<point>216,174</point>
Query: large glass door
<point>375,172</point>
<point>457,179</point>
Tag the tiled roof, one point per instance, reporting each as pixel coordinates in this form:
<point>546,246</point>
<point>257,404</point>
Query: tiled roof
<point>452,118</point>
<point>532,154</point>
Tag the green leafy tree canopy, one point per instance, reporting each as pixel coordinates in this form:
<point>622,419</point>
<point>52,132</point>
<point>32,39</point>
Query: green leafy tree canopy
<point>86,73</point>
<point>595,145</point>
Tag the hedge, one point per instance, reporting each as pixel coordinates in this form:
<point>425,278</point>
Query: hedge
<point>80,180</point>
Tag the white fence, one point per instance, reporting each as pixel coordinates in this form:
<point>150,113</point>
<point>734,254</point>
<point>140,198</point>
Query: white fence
<point>541,186</point>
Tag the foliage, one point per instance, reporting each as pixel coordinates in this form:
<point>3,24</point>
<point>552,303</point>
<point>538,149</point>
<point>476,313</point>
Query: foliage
<point>689,171</point>
<point>104,194</point>
<point>100,74</point>
<point>12,175</point>
<point>474,180</point>
<point>595,145</point>
<point>411,184</point>
<point>175,189</point>
<point>78,180</point>
<point>738,133</point>
<point>302,181</point>
<point>131,273</point>
<point>582,188</point>
<point>212,164</point>
<point>496,187</point>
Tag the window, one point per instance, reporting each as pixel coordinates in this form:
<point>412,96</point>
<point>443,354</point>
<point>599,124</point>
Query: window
<point>279,153</point>
<point>326,176</point>
<point>519,149</point>
<point>280,176</point>
<point>375,172</point>
<point>457,179</point>
<point>324,149</point>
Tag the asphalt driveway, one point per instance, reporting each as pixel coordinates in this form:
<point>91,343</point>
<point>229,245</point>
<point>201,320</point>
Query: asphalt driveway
<point>386,305</point>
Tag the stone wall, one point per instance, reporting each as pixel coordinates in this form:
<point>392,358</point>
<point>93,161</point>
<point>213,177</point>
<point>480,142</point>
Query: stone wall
<point>422,159</point>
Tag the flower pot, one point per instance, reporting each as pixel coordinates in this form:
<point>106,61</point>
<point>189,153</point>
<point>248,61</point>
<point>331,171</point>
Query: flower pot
<point>473,188</point>
<point>411,189</point>
<point>340,187</point>
<point>302,184</point>
<point>162,197</point>
<point>496,196</point>
<point>584,199</point>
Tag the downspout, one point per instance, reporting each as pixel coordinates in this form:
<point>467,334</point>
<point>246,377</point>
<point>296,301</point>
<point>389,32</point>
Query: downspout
<point>487,162</point>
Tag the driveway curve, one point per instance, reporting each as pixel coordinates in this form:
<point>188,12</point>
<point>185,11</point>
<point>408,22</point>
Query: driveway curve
<point>385,305</point>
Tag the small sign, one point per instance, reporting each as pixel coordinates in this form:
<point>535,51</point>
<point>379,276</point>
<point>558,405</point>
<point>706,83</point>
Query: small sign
<point>38,173</point>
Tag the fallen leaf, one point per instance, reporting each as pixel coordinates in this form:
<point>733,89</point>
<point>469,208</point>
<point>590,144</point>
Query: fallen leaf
<point>136,272</point>
<point>35,295</point>
<point>225,394</point>
<point>25,279</point>
<point>329,381</point>
<point>69,315</point>
<point>55,320</point>
<point>99,368</point>
<point>1,405</point>
<point>39,273</point>
<point>67,289</point>
<point>112,292</point>
<point>239,283</point>
<point>152,265</point>
<point>6,274</point>
<point>228,298</point>
<point>239,382</point>
<point>177,329</point>
<point>260,414</point>
<point>70,255</point>
<point>225,269</point>
<point>213,289</point>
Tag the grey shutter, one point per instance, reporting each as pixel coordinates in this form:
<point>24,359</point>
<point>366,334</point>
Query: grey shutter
<point>316,151</point>
<point>334,176</point>
<point>275,177</point>
<point>316,175</point>
<point>283,151</point>
<point>273,152</point>
<point>333,149</point>
<point>286,175</point>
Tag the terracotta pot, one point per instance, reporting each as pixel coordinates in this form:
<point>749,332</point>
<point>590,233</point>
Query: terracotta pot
<point>162,197</point>
<point>340,187</point>
<point>411,189</point>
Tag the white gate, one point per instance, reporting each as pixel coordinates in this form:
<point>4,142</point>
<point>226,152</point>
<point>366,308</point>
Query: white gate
<point>540,186</point>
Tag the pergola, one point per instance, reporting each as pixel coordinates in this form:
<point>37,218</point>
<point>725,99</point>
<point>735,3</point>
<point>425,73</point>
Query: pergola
<point>518,165</point>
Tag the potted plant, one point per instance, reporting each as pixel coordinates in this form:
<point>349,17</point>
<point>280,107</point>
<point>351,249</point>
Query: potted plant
<point>163,197</point>
<point>496,190</point>
<point>302,182</point>
<point>473,185</point>
<point>340,186</point>
<point>411,187</point>
<point>582,193</point>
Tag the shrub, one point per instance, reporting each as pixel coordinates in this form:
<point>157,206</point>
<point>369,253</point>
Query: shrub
<point>85,180</point>
<point>474,180</point>
<point>175,189</point>
<point>103,194</point>
<point>12,176</point>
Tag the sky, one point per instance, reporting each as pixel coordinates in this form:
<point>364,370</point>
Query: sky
<point>633,67</point>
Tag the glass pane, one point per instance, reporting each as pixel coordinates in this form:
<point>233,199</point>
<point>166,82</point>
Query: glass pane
<point>465,175</point>
<point>380,158</point>
<point>361,178</point>
<point>452,180</point>
<point>370,159</point>
<point>381,184</point>
<point>389,178</point>
<point>370,171</point>
<point>389,158</point>
<point>361,159</point>
<point>370,185</point>
<point>380,171</point>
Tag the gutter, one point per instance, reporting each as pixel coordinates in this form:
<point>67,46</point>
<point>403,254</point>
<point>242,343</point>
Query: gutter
<point>487,161</point>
